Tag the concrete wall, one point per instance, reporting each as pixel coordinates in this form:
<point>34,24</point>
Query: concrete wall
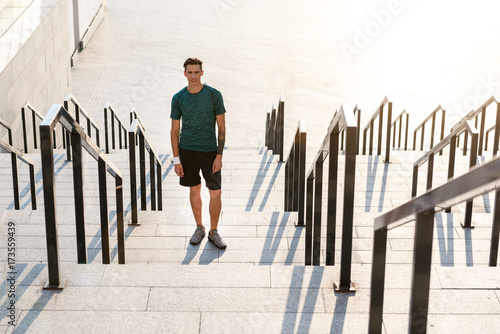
<point>39,70</point>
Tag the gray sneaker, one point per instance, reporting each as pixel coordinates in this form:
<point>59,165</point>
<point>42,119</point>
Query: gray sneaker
<point>198,235</point>
<point>216,239</point>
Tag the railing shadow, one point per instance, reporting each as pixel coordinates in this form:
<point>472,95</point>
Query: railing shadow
<point>340,311</point>
<point>293,246</point>
<point>293,301</point>
<point>445,242</point>
<point>21,288</point>
<point>370,183</point>
<point>38,177</point>
<point>469,254</point>
<point>269,188</point>
<point>371,172</point>
<point>265,164</point>
<point>273,237</point>
<point>382,188</point>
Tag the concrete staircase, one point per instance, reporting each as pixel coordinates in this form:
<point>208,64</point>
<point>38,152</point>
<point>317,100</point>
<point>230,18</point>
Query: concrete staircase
<point>259,283</point>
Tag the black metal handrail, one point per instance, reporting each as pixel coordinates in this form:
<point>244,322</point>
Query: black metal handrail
<point>398,125</point>
<point>135,115</point>
<point>295,174</point>
<point>275,122</point>
<point>121,127</point>
<point>474,114</point>
<point>7,126</point>
<point>357,115</point>
<point>34,116</point>
<point>421,126</point>
<point>14,155</point>
<point>79,139</point>
<point>486,135</point>
<point>90,122</point>
<point>477,181</point>
<point>466,128</point>
<point>144,144</point>
<point>343,120</point>
<point>370,126</point>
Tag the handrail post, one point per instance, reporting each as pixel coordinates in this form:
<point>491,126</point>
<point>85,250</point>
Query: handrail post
<point>364,141</point>
<point>152,180</point>
<point>33,187</point>
<point>422,256</point>
<point>15,180</point>
<point>380,130</point>
<point>103,200</point>
<point>106,135</point>
<point>309,220</point>
<point>25,137</point>
<point>414,140</point>
<point>119,220</point>
<point>268,119</point>
<point>68,145</point>
<point>370,150</point>
<point>113,139</point>
<point>472,162</point>
<point>318,194</point>
<point>272,130</point>
<point>302,177</point>
<point>35,141</point>
<point>497,131</point>
<point>414,183</point>
<point>288,183</point>
<point>422,134</point>
<point>331,220</point>
<point>280,123</point>
<point>430,171</point>
<point>443,117</point>
<point>433,127</point>
<point>120,143</point>
<point>133,179</point>
<point>388,139</point>
<point>345,284</point>
<point>358,111</point>
<point>89,128</point>
<point>159,186</point>
<point>406,131</point>
<point>377,281</point>
<point>481,132</point>
<point>142,171</point>
<point>295,174</point>
<point>81,246</point>
<point>495,231</point>
<point>54,281</point>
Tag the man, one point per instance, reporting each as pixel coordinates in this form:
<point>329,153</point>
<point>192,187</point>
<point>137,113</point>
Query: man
<point>200,107</point>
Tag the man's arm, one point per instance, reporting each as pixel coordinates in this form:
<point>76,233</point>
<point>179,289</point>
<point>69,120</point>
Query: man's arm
<point>221,141</point>
<point>174,140</point>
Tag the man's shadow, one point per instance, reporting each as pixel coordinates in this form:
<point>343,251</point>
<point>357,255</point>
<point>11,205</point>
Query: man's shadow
<point>209,254</point>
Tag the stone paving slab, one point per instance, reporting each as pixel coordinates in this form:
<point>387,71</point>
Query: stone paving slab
<point>55,322</point>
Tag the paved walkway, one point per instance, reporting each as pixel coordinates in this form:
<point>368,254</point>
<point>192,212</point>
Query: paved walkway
<point>253,50</point>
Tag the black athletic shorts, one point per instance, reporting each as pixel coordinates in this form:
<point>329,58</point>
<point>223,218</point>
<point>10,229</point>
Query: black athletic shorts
<point>192,162</point>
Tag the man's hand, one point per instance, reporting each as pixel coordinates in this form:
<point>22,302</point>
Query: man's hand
<point>179,170</point>
<point>217,165</point>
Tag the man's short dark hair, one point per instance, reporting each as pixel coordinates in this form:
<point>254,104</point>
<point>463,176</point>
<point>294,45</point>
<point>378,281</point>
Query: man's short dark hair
<point>193,61</point>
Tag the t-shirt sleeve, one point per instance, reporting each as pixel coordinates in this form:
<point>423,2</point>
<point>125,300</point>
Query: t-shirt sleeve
<point>219,104</point>
<point>175,112</point>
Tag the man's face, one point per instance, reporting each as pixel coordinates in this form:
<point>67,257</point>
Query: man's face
<point>193,74</point>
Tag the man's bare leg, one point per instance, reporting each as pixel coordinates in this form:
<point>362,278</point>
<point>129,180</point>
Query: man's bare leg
<point>196,203</point>
<point>215,208</point>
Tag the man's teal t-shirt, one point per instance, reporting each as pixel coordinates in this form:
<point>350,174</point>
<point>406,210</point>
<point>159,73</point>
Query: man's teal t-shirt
<point>198,113</point>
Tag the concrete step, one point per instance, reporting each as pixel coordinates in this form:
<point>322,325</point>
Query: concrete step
<point>243,299</point>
